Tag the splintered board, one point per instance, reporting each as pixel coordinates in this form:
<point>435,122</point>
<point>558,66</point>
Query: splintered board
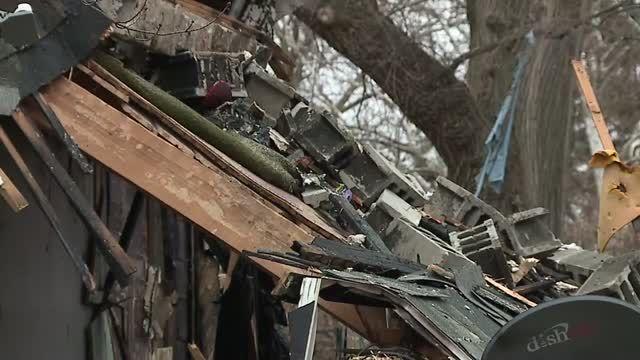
<point>208,197</point>
<point>213,200</point>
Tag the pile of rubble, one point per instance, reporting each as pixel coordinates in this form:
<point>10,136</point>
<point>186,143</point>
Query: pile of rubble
<point>518,250</point>
<point>422,256</point>
<point>428,275</point>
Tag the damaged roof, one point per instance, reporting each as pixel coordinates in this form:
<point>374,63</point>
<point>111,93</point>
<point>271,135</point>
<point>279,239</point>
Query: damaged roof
<point>238,152</point>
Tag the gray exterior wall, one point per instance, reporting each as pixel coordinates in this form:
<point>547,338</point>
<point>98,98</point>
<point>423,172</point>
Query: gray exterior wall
<point>42,315</point>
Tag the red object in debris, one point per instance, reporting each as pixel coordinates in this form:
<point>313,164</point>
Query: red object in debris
<point>305,162</point>
<point>217,94</point>
<point>356,200</point>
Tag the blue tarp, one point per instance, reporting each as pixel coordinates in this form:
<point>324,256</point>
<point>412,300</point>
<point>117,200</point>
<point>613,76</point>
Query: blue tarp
<point>497,143</point>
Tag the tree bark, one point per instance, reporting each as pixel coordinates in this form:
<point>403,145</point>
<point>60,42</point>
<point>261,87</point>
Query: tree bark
<point>457,119</point>
<point>544,114</point>
<point>425,90</point>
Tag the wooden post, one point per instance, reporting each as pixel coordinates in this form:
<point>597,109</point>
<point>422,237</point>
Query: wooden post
<point>592,104</point>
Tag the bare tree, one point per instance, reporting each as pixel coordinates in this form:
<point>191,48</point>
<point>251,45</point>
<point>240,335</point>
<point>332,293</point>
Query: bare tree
<point>424,80</point>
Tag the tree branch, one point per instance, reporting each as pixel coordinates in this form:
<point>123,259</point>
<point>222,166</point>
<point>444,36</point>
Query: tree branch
<point>439,105</point>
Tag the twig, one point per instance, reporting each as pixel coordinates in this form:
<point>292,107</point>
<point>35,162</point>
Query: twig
<point>188,30</point>
<point>142,8</point>
<point>612,10</point>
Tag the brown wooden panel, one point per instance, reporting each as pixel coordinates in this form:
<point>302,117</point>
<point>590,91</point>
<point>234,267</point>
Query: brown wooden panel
<point>210,198</point>
<point>213,200</point>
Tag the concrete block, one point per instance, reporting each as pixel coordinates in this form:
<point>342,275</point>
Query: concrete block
<point>409,242</point>
<point>575,261</point>
<point>617,277</point>
<point>393,205</point>
<point>455,204</point>
<point>533,236</point>
<point>271,93</point>
<point>482,245</point>
<point>524,233</point>
<point>369,174</point>
<point>388,208</point>
<point>319,135</point>
<point>19,28</point>
<point>400,184</point>
<point>314,197</point>
<point>364,178</point>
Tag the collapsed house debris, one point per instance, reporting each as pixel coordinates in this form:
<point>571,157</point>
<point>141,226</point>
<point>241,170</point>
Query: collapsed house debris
<point>222,198</point>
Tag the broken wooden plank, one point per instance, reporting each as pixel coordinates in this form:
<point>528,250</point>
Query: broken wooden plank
<point>208,281</point>
<point>509,292</point>
<point>210,198</point>
<point>213,200</point>
<point>288,202</point>
<point>165,353</point>
<point>49,211</point>
<point>118,260</point>
<point>10,193</point>
<point>105,84</point>
<point>592,104</point>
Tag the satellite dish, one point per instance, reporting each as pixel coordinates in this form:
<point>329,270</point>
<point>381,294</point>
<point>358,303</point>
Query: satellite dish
<point>579,327</point>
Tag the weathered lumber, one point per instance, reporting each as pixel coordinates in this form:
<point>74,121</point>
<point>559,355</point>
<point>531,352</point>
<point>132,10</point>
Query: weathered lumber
<point>118,260</point>
<point>210,198</point>
<point>49,211</point>
<point>76,154</point>
<point>213,200</point>
<point>290,203</point>
<point>126,235</point>
<point>260,159</point>
<point>509,292</point>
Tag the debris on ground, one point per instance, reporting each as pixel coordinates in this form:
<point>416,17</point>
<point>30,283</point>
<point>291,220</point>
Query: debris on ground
<point>264,204</point>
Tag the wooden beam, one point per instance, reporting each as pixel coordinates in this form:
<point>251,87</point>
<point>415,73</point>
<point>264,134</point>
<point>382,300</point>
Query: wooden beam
<point>210,198</point>
<point>509,292</point>
<point>592,103</point>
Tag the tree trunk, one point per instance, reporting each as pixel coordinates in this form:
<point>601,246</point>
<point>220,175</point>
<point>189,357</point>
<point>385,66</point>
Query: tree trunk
<point>451,115</point>
<point>543,122</point>
<point>426,91</point>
